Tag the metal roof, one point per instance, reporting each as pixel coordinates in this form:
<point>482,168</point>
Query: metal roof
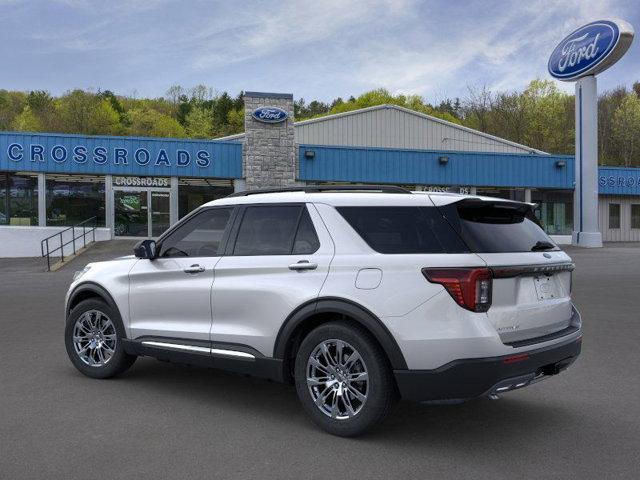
<point>392,126</point>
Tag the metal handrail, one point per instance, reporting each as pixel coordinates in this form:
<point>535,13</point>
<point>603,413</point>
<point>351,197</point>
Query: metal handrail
<point>86,230</point>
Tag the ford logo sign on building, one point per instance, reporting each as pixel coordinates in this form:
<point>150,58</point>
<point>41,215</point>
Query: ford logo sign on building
<point>270,114</point>
<point>590,49</point>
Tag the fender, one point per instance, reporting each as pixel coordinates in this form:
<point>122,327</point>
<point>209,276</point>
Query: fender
<point>93,288</point>
<point>344,307</point>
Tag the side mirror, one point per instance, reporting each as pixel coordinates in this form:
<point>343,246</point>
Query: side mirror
<point>145,249</point>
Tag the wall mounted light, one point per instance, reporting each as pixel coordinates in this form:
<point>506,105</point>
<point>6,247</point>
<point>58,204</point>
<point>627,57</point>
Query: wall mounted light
<point>309,154</point>
<point>561,164</point>
<point>443,160</point>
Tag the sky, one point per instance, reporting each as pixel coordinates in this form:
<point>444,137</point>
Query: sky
<point>319,49</point>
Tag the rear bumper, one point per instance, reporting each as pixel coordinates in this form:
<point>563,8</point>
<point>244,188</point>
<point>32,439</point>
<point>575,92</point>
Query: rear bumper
<point>469,378</point>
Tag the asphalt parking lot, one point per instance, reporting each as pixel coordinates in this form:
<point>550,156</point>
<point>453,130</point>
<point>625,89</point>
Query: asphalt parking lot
<point>168,421</point>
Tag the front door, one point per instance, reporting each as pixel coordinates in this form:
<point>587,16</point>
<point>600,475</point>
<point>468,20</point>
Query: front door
<point>170,296</point>
<point>278,261</point>
<point>140,213</point>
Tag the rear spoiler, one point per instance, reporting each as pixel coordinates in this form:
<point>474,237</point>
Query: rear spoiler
<point>446,199</point>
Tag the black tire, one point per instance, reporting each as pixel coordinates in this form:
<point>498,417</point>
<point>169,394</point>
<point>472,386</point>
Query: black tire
<point>119,361</point>
<point>381,388</point>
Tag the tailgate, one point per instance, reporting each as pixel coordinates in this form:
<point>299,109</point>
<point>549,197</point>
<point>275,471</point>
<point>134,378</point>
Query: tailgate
<point>531,294</point>
<point>531,288</point>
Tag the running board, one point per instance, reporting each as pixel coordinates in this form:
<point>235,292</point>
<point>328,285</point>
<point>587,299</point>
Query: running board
<point>231,357</point>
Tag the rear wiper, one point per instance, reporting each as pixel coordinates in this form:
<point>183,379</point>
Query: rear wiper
<point>542,246</point>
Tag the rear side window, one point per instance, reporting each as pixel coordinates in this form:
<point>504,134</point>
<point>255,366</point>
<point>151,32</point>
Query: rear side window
<point>403,229</point>
<point>498,227</point>
<point>306,238</point>
<point>276,230</point>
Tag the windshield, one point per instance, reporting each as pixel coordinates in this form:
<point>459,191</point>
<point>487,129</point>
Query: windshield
<point>498,227</point>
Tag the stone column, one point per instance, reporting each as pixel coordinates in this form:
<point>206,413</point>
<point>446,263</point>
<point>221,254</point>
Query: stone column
<point>239,185</point>
<point>269,153</point>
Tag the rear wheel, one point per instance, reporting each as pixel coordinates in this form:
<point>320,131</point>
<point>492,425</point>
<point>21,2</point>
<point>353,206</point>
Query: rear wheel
<point>343,379</point>
<point>93,338</point>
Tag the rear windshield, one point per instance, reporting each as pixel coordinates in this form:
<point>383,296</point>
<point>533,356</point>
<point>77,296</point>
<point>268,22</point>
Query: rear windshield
<point>404,229</point>
<point>498,227</point>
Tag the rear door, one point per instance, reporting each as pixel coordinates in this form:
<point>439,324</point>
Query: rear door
<point>531,294</point>
<point>277,259</point>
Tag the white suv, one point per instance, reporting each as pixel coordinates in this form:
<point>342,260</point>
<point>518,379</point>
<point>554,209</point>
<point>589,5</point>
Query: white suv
<point>356,295</point>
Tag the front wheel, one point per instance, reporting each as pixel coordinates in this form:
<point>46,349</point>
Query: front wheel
<point>93,338</point>
<point>343,379</point>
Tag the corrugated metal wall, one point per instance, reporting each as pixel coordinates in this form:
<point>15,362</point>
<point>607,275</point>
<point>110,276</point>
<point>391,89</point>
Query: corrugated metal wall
<point>625,233</point>
<point>396,128</point>
<point>423,167</point>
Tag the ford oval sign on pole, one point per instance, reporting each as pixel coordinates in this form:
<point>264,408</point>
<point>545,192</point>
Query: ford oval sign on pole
<point>587,51</point>
<point>270,114</point>
<point>590,49</point>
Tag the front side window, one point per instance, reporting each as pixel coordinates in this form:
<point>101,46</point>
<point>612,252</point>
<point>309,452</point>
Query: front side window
<point>276,230</point>
<point>614,215</point>
<point>199,236</point>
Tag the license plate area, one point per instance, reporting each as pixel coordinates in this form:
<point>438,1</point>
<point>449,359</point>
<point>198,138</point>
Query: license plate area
<point>545,287</point>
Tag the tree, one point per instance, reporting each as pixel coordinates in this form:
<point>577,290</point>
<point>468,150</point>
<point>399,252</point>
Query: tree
<point>147,122</point>
<point>43,105</point>
<point>220,111</point>
<point>11,105</point>
<point>104,120</point>
<point>75,109</point>
<point>478,108</point>
<point>174,93</point>
<point>235,121</point>
<point>546,107</point>
<point>609,151</point>
<point>626,129</point>
<point>27,121</point>
<point>198,123</point>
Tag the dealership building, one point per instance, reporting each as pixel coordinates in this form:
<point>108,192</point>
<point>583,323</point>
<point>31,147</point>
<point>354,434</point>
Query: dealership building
<point>138,187</point>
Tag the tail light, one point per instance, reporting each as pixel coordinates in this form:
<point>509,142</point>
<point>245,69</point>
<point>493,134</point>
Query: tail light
<point>469,287</point>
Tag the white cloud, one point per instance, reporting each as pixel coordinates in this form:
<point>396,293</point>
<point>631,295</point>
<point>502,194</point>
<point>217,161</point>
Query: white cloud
<point>319,49</point>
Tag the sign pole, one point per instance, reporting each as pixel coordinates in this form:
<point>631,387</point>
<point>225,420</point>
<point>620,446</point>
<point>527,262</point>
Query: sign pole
<point>579,57</point>
<point>585,201</point>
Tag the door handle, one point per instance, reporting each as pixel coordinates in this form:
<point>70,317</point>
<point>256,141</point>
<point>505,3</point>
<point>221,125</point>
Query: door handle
<point>194,269</point>
<point>303,265</point>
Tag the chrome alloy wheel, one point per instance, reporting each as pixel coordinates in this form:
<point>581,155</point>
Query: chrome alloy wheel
<point>94,338</point>
<point>337,379</point>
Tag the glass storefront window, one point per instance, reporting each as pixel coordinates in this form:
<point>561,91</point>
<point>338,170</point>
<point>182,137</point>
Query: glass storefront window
<point>18,199</point>
<point>555,210</point>
<point>516,194</point>
<point>635,215</point>
<point>72,199</point>
<point>614,215</point>
<point>193,192</point>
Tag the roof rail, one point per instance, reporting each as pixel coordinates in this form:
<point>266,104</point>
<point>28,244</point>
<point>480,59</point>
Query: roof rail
<point>325,188</point>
